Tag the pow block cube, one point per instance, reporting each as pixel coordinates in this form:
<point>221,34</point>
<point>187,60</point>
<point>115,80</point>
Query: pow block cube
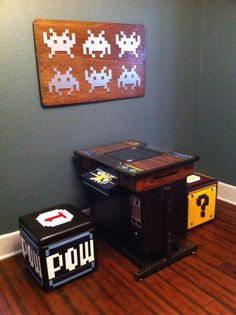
<point>202,192</point>
<point>57,245</point>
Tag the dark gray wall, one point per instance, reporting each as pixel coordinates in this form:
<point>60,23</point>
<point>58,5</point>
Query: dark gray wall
<point>216,128</point>
<point>37,143</point>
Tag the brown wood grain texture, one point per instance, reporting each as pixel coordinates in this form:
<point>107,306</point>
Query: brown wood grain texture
<point>149,181</point>
<point>216,307</point>
<point>155,162</point>
<point>110,147</point>
<point>159,161</point>
<point>166,177</point>
<point>74,47</point>
<point>156,179</point>
<point>153,172</point>
<point>203,283</point>
<point>99,150</point>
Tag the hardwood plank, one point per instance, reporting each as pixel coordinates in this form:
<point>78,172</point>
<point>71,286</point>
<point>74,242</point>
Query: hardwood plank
<point>228,226</point>
<point>104,282</point>
<point>142,293</point>
<point>144,311</point>
<point>93,287</point>
<point>198,238</point>
<point>215,229</point>
<point>225,212</point>
<point>121,295</point>
<point>27,290</point>
<point>220,248</point>
<point>222,253</point>
<point>203,283</point>
<point>52,301</point>
<point>174,298</point>
<point>56,300</point>
<point>9,299</point>
<point>226,208</point>
<point>228,269</point>
<point>212,273</point>
<point>219,238</point>
<point>225,218</point>
<point>189,289</point>
<point>4,306</point>
<point>78,299</point>
<point>208,257</point>
<point>167,273</point>
<point>216,307</point>
<point>108,307</point>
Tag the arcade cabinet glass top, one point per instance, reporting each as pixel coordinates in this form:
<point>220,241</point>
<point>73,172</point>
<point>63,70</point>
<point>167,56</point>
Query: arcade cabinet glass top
<point>134,157</point>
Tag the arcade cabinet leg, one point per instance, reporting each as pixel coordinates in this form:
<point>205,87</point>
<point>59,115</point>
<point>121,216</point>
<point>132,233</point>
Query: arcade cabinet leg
<point>172,252</point>
<point>179,253</point>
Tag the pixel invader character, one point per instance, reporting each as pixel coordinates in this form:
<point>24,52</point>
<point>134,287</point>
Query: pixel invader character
<point>98,79</point>
<point>63,81</point>
<point>96,44</point>
<point>128,43</point>
<point>59,43</point>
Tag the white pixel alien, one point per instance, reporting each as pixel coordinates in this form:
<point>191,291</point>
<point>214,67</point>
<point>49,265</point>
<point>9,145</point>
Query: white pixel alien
<point>59,43</point>
<point>128,77</point>
<point>97,79</point>
<point>63,81</point>
<point>96,44</point>
<point>127,44</point>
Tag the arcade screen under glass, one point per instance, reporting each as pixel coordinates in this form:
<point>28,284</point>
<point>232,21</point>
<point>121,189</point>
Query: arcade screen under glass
<point>133,154</point>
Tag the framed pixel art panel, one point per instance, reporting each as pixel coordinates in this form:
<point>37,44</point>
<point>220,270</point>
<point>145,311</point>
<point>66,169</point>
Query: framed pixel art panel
<point>82,62</point>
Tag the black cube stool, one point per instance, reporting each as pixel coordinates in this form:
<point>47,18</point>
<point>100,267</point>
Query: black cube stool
<point>58,245</point>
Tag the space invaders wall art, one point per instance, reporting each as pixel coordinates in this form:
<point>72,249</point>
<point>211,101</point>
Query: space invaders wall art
<point>83,62</point>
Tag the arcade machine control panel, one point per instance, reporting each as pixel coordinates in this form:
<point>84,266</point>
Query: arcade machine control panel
<point>138,167</point>
<point>138,198</point>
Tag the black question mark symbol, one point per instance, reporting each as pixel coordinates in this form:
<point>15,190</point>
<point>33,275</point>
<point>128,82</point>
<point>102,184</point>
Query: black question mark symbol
<point>203,204</point>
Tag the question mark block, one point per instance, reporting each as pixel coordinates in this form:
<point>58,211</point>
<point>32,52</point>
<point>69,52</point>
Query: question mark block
<point>201,205</point>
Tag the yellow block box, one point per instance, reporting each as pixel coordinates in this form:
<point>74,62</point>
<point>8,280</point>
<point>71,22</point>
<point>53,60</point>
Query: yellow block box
<point>202,193</point>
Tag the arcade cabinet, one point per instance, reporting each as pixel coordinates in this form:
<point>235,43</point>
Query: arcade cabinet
<point>139,201</point>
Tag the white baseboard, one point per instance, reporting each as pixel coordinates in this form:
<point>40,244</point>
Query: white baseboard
<point>227,193</point>
<point>10,244</point>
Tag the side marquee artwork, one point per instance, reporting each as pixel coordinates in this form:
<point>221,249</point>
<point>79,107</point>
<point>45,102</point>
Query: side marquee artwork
<point>82,62</point>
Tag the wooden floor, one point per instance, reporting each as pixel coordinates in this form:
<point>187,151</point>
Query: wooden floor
<point>204,283</point>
